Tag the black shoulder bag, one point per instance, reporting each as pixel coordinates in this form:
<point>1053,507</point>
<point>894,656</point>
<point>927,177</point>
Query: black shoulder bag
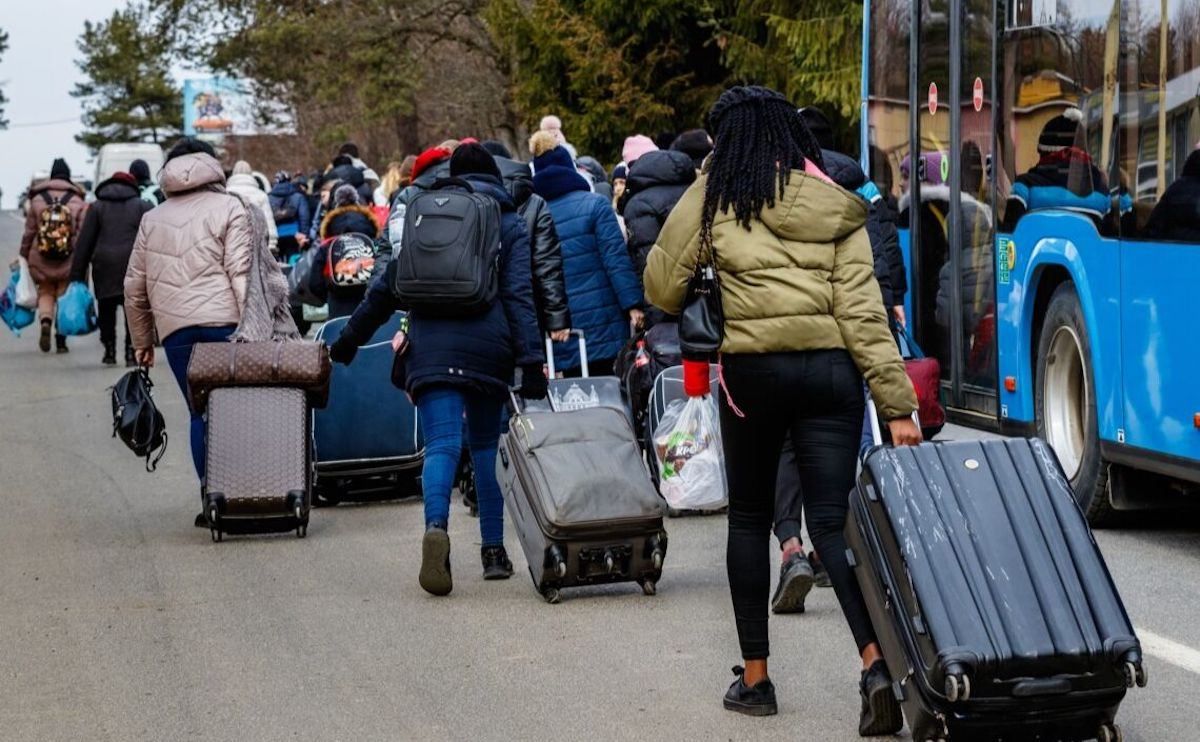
<point>702,321</point>
<point>136,419</point>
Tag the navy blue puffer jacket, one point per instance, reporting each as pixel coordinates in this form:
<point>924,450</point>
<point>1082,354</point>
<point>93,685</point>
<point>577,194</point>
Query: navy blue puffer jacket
<point>601,283</point>
<point>478,352</point>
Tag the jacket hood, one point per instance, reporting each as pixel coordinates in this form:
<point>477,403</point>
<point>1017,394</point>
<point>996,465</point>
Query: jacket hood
<point>661,167</point>
<point>971,206</point>
<point>843,170</point>
<point>191,172</point>
<point>245,180</point>
<point>283,190</point>
<point>493,187</point>
<point>56,184</point>
<point>332,214</point>
<point>114,189</point>
<point>810,210</point>
<point>517,179</point>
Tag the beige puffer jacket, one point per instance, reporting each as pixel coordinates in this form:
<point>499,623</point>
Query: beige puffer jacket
<point>191,257</point>
<point>247,187</point>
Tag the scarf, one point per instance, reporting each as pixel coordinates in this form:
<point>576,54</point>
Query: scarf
<point>267,313</point>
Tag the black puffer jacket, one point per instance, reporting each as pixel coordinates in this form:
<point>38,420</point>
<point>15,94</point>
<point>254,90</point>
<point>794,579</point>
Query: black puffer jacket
<point>881,227</point>
<point>107,235</point>
<point>549,285</point>
<point>654,185</point>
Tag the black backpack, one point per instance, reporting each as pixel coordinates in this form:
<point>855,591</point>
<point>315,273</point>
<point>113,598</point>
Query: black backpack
<point>449,256</point>
<point>136,420</point>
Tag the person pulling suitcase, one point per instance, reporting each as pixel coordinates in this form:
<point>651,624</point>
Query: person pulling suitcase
<point>465,339</point>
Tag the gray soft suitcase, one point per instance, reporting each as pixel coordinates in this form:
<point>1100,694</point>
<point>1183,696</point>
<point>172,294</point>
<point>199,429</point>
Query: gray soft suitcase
<point>259,461</point>
<point>578,493</point>
<point>564,395</point>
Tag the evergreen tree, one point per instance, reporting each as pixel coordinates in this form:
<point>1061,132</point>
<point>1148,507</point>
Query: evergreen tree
<point>3,98</point>
<point>128,94</point>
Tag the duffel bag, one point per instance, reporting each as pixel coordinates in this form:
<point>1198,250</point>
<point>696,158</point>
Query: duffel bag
<point>299,364</point>
<point>926,377</point>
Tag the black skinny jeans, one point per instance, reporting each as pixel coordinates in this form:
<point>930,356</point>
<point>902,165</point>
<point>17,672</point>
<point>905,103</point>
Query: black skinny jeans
<point>107,319</point>
<point>816,397</point>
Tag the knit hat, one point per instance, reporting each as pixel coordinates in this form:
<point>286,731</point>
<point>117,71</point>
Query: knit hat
<point>497,149</point>
<point>125,178</point>
<point>473,159</point>
<point>345,195</point>
<point>636,146</point>
<point>191,146</point>
<point>1059,132</point>
<point>620,172</point>
<point>139,170</point>
<point>695,143</point>
<point>60,170</point>
<point>556,156</point>
<point>241,167</point>
<point>428,159</point>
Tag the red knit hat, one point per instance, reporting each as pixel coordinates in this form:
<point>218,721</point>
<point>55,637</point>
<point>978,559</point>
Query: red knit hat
<point>428,159</point>
<point>125,178</point>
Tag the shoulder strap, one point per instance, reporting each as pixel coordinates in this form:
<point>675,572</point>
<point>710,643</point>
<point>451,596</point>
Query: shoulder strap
<point>48,198</point>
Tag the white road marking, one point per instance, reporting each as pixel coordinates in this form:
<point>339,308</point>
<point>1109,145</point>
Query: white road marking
<point>1162,648</point>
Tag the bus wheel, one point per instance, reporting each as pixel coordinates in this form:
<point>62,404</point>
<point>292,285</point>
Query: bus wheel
<point>1066,403</point>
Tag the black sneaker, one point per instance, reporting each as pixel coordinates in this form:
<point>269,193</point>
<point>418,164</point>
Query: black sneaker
<point>60,344</point>
<point>496,564</point>
<point>881,712</point>
<point>110,354</point>
<point>44,338</point>
<point>756,701</point>
<point>201,521</point>
<point>820,574</point>
<point>435,562</point>
<point>795,580</point>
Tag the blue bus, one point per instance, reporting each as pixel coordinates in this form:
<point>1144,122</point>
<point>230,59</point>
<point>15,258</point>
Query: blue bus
<point>1042,158</point>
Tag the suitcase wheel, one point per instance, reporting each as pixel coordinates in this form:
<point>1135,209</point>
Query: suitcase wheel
<point>649,587</point>
<point>1135,674</point>
<point>213,530</point>
<point>552,595</point>
<point>216,535</point>
<point>656,560</point>
<point>958,687</point>
<point>1109,733</point>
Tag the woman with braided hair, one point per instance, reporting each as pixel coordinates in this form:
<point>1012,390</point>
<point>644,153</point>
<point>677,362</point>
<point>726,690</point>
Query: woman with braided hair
<point>804,324</point>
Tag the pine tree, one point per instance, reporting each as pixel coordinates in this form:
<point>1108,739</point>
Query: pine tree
<point>128,94</point>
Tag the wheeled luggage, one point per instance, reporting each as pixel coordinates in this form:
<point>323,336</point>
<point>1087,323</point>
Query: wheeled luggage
<point>563,395</point>
<point>298,364</point>
<point>368,441</point>
<point>994,608</point>
<point>578,493</point>
<point>258,465</point>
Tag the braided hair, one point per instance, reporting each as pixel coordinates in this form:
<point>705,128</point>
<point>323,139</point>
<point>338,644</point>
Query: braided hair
<point>758,139</point>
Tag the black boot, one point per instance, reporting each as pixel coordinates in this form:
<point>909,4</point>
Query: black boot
<point>110,354</point>
<point>44,338</point>
<point>60,344</point>
<point>130,360</point>
<point>496,564</point>
<point>881,713</point>
<point>758,700</point>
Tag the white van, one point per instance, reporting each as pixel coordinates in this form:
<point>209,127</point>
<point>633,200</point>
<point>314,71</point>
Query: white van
<point>115,158</point>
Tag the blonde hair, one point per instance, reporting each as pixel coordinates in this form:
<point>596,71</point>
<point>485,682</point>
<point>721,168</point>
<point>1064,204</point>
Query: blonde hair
<point>542,142</point>
<point>391,179</point>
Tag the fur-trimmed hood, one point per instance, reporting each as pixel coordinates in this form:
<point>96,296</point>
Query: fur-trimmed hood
<point>344,213</point>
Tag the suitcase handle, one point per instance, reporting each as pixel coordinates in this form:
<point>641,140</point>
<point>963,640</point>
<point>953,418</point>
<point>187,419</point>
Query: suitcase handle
<point>583,359</point>
<point>876,431</point>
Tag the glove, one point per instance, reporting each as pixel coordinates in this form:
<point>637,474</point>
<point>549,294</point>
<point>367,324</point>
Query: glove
<point>695,378</point>
<point>343,350</point>
<point>533,382</point>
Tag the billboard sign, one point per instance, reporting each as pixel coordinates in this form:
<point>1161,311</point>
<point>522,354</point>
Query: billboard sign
<point>216,106</point>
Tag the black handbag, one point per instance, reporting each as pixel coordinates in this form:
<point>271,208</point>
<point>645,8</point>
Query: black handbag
<point>702,321</point>
<point>136,419</point>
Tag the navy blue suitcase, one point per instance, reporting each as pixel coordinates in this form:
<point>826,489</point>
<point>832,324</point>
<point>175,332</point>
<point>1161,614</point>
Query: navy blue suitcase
<point>994,608</point>
<point>368,441</point>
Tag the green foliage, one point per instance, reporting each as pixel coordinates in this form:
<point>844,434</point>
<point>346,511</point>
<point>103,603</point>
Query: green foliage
<point>808,49</point>
<point>128,94</point>
<point>609,68</point>
<point>3,98</point>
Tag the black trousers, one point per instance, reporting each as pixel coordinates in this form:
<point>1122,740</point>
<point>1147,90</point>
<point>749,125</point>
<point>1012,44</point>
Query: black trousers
<point>816,397</point>
<point>789,499</point>
<point>107,319</point>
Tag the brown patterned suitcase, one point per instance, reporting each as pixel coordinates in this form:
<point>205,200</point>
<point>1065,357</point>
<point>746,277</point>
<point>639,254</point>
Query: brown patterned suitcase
<point>258,463</point>
<point>301,364</point>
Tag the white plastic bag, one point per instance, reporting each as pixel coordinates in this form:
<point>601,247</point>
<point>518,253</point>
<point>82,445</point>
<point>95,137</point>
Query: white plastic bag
<point>26,295</point>
<point>691,464</point>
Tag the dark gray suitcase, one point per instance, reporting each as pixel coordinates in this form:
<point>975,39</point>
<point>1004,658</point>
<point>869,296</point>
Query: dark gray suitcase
<point>258,476</point>
<point>577,491</point>
<point>993,605</point>
<point>564,395</point>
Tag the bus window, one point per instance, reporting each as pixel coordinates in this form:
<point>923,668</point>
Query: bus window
<point>1055,104</point>
<point>1160,121</point>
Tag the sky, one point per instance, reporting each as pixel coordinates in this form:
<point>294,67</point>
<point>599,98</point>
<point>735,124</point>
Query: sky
<point>38,72</point>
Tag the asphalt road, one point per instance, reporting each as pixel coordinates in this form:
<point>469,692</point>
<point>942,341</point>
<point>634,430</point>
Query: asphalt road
<point>120,621</point>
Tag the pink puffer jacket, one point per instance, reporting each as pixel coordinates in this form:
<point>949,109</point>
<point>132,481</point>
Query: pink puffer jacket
<point>192,255</point>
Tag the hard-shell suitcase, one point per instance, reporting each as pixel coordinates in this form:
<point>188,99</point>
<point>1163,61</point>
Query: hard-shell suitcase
<point>577,491</point>
<point>368,441</point>
<point>258,465</point>
<point>563,395</point>
<point>994,608</point>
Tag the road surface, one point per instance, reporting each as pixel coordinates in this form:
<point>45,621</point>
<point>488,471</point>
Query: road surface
<point>120,621</point>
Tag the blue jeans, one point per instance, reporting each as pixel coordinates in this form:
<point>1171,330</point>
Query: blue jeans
<point>178,348</point>
<point>441,413</point>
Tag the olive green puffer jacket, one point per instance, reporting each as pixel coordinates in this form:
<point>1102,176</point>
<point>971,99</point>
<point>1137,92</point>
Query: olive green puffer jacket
<point>802,278</point>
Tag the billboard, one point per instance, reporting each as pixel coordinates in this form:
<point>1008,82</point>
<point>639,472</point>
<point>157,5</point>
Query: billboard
<point>215,106</point>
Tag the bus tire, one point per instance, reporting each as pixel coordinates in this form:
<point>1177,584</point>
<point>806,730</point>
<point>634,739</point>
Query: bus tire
<point>1065,403</point>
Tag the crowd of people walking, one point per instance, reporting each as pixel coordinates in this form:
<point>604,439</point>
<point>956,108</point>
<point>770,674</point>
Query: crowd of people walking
<point>800,242</point>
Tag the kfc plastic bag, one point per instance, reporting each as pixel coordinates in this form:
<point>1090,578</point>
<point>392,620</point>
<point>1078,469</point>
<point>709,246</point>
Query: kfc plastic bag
<point>687,447</point>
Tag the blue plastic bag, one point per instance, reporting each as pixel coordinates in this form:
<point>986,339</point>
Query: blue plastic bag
<point>16,317</point>
<point>76,311</point>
